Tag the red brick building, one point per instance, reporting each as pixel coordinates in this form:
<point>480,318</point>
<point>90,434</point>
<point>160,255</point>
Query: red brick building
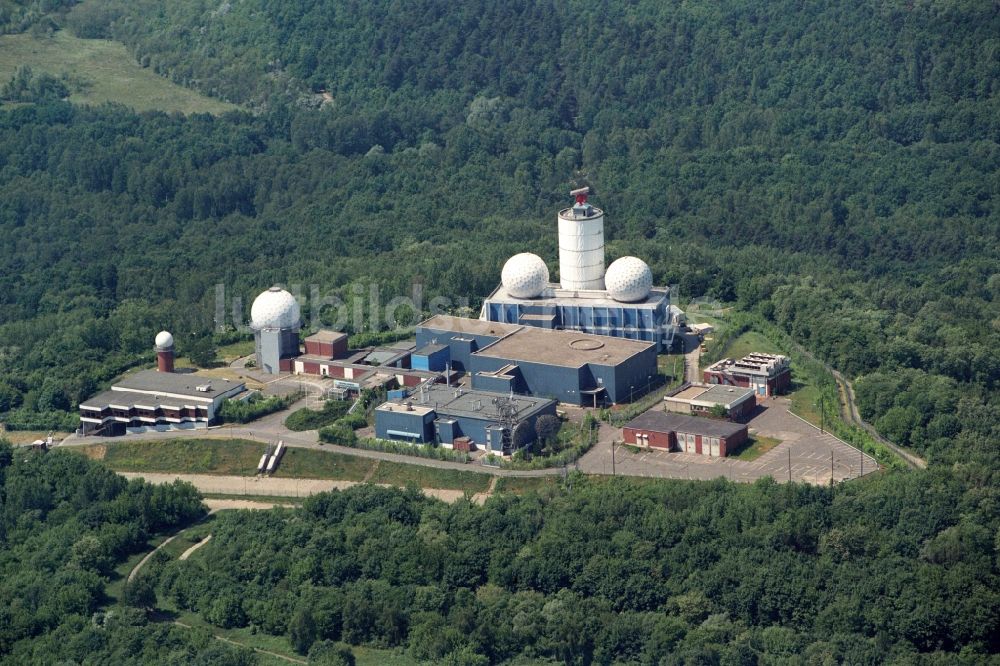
<point>691,434</point>
<point>327,344</point>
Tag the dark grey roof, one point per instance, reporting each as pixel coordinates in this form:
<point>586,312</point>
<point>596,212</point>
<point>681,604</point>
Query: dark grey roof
<point>670,422</point>
<point>130,399</point>
<point>175,382</point>
<point>427,350</point>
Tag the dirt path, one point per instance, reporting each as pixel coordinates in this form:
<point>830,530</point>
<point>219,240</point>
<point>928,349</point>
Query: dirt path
<point>276,487</point>
<point>187,553</point>
<point>216,504</point>
<point>853,416</point>
<point>255,649</point>
<point>135,570</point>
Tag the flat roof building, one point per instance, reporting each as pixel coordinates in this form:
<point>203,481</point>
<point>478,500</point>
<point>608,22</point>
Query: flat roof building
<point>738,403</point>
<point>690,434</point>
<point>568,366</point>
<point>442,414</point>
<point>149,399</point>
<point>764,374</point>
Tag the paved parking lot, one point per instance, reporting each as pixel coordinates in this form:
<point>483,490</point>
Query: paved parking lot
<point>805,454</point>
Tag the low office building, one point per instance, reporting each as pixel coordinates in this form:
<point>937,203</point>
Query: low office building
<point>690,434</point>
<point>737,404</point>
<point>151,400</point>
<point>568,366</point>
<point>446,415</point>
<point>764,374</point>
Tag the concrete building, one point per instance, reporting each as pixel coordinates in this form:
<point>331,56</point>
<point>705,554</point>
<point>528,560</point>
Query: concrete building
<point>738,403</point>
<point>620,302</point>
<point>691,434</point>
<point>437,413</point>
<point>565,365</point>
<point>764,374</point>
<point>153,400</point>
<point>275,319</point>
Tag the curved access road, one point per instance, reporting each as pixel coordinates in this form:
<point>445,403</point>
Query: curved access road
<point>853,416</point>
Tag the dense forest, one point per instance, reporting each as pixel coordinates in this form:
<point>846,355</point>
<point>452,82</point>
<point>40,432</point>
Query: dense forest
<point>65,523</point>
<point>830,167</point>
<point>622,571</point>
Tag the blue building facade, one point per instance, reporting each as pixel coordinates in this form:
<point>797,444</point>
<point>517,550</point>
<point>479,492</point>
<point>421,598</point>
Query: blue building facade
<point>648,320</point>
<point>507,358</point>
<point>441,414</point>
<point>431,357</point>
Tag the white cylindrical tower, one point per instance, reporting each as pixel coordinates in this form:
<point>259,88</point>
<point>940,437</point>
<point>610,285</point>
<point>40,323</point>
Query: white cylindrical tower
<point>581,245</point>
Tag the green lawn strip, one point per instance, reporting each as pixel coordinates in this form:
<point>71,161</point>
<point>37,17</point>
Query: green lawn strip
<point>231,352</point>
<point>316,464</point>
<point>101,71</point>
<point>186,456</point>
<point>752,341</point>
<point>400,474</point>
<point>519,485</point>
<point>805,401</point>
<point>238,457</point>
<point>755,447</point>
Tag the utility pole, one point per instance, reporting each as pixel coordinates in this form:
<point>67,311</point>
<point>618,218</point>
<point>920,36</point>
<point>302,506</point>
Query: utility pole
<point>789,465</point>
<point>862,462</point>
<point>831,468</point>
<point>822,412</point>
<point>612,456</point>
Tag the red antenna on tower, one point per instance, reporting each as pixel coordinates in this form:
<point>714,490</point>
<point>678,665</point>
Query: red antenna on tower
<point>581,195</point>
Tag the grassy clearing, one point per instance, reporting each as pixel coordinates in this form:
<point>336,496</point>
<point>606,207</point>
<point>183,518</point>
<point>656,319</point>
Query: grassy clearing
<point>519,485</point>
<point>805,403</point>
<point>228,457</point>
<point>752,341</point>
<point>101,71</point>
<point>185,456</point>
<point>28,436</point>
<point>400,474</point>
<point>231,352</point>
<point>755,447</point>
<point>312,464</point>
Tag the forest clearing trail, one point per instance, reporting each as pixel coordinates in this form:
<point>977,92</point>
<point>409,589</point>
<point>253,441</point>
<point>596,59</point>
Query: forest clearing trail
<point>187,553</point>
<point>238,644</point>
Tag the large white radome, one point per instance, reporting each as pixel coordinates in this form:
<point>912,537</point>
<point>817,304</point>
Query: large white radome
<point>525,275</point>
<point>628,279</point>
<point>164,340</point>
<point>275,308</point>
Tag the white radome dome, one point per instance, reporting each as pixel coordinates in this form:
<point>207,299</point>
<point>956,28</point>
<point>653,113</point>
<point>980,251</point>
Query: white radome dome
<point>628,279</point>
<point>164,340</point>
<point>275,308</point>
<point>525,275</point>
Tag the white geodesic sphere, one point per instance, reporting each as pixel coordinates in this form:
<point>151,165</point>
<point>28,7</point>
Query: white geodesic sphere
<point>525,275</point>
<point>628,279</point>
<point>164,340</point>
<point>275,308</point>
